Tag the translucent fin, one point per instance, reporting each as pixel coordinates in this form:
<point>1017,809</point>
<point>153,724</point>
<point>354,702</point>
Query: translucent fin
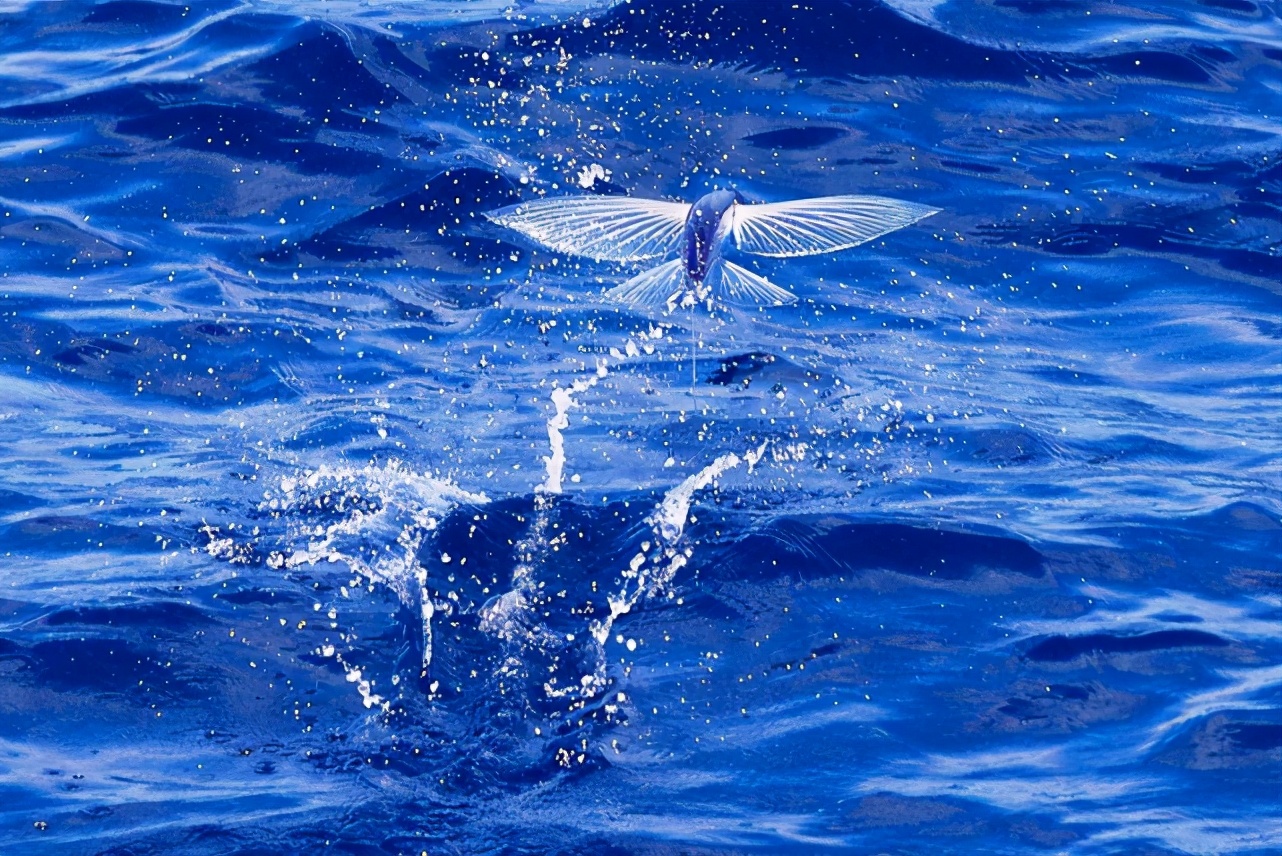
<point>804,227</point>
<point>605,228</point>
<point>736,285</point>
<point>655,287</point>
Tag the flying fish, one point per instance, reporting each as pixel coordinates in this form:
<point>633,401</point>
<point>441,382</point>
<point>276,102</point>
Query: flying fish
<point>629,229</point>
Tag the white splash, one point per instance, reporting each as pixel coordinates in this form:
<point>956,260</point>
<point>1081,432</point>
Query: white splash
<point>654,566</point>
<point>649,572</point>
<point>669,519</point>
<point>513,616</point>
<point>390,504</point>
<point>591,174</point>
<point>563,400</point>
<point>365,687</point>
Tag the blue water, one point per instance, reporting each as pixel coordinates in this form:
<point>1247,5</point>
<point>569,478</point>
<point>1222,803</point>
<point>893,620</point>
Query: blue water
<point>335,517</point>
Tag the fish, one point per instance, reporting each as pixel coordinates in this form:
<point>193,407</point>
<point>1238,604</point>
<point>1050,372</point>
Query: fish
<point>634,229</point>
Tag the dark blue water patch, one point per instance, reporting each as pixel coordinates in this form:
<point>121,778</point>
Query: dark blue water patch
<point>1083,239</point>
<point>1257,736</point>
<point>900,548</point>
<point>1178,618</point>
<point>319,73</point>
<point>739,370</point>
<point>1246,517</point>
<point>928,824</point>
<point>973,167</point>
<point>1265,327</point>
<point>250,594</point>
<point>808,137</point>
<point>137,13</point>
<point>170,616</point>
<point>764,371</point>
<point>445,208</point>
<point>1194,67</point>
<point>53,243</point>
<point>1062,649</point>
<point>1069,376</point>
<point>78,354</point>
<point>260,133</point>
<point>215,364</point>
<point>858,39</point>
<point>1233,746</point>
<point>1242,530</point>
<point>12,650</point>
<point>207,826</point>
<point>35,534</point>
<point>1165,239</point>
<point>472,56</point>
<point>1133,447</point>
<point>1248,177</point>
<point>1054,707</point>
<point>13,500</point>
<point>866,160</point>
<point>113,103</point>
<point>99,665</point>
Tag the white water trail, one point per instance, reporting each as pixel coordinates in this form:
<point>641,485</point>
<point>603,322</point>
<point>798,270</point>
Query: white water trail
<point>513,617</point>
<point>563,400</point>
<point>499,616</point>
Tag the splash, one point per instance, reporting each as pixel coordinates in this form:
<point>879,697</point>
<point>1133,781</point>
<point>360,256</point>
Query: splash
<point>510,616</point>
<point>513,616</point>
<point>563,400</point>
<point>388,505</point>
<point>668,523</point>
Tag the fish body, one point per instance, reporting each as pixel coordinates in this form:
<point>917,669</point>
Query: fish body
<point>706,228</point>
<point>629,229</point>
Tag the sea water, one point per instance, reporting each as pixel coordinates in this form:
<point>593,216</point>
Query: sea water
<point>334,517</point>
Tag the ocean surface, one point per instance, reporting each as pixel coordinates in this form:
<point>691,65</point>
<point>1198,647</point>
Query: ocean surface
<point>336,518</point>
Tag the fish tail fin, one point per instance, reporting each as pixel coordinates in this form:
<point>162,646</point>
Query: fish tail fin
<point>737,285</point>
<point>655,287</point>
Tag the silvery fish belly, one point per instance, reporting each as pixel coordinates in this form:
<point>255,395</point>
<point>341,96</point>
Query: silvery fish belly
<point>624,229</point>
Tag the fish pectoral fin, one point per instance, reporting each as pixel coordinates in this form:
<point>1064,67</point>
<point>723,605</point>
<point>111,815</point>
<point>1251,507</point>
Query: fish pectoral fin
<point>605,228</point>
<point>655,287</point>
<point>737,285</point>
<point>804,227</point>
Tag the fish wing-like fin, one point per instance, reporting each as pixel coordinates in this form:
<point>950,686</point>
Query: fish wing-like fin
<point>654,287</point>
<point>804,227</point>
<point>736,285</point>
<point>605,228</point>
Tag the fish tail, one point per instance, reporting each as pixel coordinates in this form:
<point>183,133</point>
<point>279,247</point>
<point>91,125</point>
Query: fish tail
<point>734,284</point>
<point>654,287</point>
